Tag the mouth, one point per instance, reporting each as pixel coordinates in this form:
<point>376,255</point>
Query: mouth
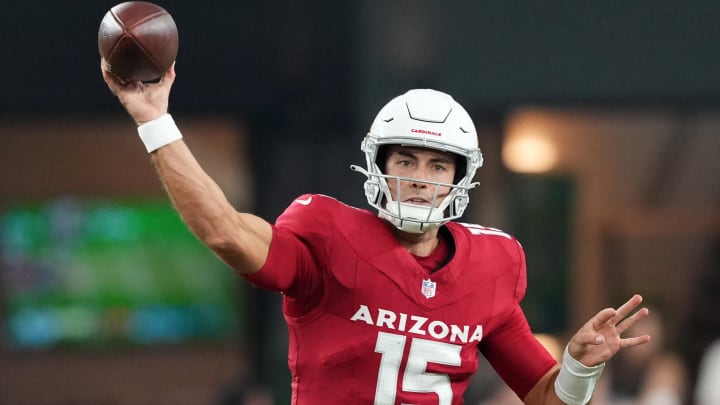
<point>417,201</point>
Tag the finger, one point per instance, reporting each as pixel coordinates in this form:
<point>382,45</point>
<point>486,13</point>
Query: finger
<point>111,81</point>
<point>603,317</point>
<point>628,307</point>
<point>634,341</point>
<point>103,68</point>
<point>628,322</point>
<point>104,64</point>
<point>168,77</point>
<point>114,82</point>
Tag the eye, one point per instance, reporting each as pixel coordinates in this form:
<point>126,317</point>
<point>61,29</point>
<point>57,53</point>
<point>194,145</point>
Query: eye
<point>439,167</point>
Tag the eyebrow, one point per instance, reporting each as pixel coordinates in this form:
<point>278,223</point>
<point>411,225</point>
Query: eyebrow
<point>412,154</point>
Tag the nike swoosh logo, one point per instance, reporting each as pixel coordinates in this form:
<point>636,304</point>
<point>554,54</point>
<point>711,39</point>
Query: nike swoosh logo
<point>306,201</point>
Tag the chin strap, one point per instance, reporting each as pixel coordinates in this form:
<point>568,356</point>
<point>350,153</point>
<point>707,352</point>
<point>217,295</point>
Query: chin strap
<point>409,226</point>
<point>412,218</point>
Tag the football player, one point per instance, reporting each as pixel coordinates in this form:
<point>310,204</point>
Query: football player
<point>394,306</point>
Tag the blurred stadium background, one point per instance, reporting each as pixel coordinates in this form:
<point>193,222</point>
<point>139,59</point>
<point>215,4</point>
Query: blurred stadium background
<point>599,122</point>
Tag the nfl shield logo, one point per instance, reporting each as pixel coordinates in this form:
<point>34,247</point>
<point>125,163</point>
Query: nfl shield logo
<point>428,288</point>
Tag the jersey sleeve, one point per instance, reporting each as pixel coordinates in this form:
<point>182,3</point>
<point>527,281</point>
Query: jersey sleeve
<point>294,262</point>
<point>513,351</point>
<point>289,265</point>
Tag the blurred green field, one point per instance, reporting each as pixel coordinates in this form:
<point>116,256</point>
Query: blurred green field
<point>103,272</point>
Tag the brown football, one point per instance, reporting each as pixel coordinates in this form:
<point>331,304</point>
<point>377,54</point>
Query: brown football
<point>138,40</point>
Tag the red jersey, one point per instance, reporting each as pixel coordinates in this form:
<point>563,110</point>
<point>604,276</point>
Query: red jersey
<point>369,325</point>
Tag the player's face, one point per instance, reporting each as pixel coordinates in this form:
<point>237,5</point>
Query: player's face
<point>421,164</point>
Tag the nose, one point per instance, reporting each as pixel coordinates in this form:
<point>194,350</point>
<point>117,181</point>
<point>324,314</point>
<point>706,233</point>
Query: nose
<point>419,174</point>
<point>418,184</point>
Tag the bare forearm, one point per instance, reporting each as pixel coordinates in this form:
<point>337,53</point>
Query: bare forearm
<point>544,393</point>
<point>194,194</point>
<point>242,240</point>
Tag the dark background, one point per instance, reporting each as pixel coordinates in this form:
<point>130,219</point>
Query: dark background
<point>239,55</point>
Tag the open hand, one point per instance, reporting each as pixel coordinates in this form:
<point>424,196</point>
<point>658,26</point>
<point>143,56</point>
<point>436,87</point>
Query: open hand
<point>600,338</point>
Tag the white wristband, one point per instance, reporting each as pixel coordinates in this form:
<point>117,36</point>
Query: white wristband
<point>576,382</point>
<point>159,132</point>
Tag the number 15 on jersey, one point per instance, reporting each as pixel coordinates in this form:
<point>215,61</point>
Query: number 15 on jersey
<point>415,378</point>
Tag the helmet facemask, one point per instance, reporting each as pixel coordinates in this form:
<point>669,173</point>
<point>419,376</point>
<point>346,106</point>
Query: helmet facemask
<point>408,217</point>
<point>426,119</point>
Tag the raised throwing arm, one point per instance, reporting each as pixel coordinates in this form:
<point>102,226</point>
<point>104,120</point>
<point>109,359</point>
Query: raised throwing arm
<point>242,240</point>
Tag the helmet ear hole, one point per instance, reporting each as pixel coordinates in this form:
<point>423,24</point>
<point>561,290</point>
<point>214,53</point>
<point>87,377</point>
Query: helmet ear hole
<point>381,157</point>
<point>460,168</point>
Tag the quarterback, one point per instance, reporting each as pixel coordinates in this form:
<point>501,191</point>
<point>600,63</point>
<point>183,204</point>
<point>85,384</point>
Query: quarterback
<point>397,305</point>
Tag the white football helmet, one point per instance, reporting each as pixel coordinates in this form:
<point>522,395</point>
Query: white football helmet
<point>429,119</point>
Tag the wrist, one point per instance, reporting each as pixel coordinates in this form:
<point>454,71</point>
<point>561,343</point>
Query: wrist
<point>576,382</point>
<point>158,132</point>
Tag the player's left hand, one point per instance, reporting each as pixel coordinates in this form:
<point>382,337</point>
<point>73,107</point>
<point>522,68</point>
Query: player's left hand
<point>600,338</point>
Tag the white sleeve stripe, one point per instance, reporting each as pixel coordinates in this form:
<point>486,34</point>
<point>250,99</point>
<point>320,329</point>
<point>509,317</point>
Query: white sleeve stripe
<point>484,230</point>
